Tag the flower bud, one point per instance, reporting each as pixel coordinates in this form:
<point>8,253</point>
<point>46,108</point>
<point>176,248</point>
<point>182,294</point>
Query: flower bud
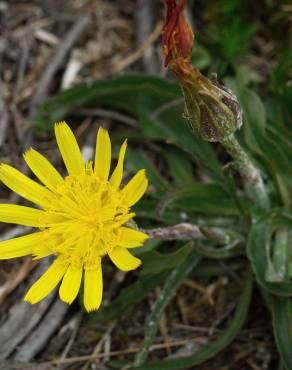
<point>211,109</point>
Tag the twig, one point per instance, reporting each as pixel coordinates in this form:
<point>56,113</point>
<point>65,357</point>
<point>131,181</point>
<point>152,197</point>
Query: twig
<point>99,345</point>
<point>227,312</point>
<point>39,337</point>
<point>53,65</point>
<point>74,325</point>
<point>14,232</point>
<point>22,65</point>
<point>15,279</point>
<point>22,319</point>
<point>14,365</point>
<point>126,62</point>
<point>144,21</point>
<point>196,329</point>
<point>117,353</point>
<point>110,114</point>
<point>4,117</point>
<point>17,117</point>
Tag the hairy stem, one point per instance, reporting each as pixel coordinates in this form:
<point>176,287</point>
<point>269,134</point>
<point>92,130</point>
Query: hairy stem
<point>187,231</point>
<point>253,182</point>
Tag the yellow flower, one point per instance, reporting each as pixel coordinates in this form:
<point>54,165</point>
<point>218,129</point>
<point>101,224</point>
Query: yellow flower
<point>81,218</point>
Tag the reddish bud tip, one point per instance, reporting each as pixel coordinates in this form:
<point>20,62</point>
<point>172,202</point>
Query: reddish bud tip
<point>177,35</point>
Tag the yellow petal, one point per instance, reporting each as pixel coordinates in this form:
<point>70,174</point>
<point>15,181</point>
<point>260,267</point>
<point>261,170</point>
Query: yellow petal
<point>69,149</point>
<point>42,168</point>
<point>123,259</point>
<point>21,246</point>
<point>40,251</point>
<point>123,219</point>
<point>71,284</point>
<point>117,175</point>
<point>23,185</point>
<point>20,215</point>
<point>92,288</point>
<point>131,238</point>
<point>135,188</point>
<point>102,161</point>
<point>47,282</point>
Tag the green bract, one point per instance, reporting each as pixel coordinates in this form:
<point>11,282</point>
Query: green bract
<point>212,110</point>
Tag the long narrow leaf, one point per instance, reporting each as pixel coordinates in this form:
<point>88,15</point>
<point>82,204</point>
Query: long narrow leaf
<point>282,321</point>
<point>202,198</point>
<point>258,248</point>
<point>155,262</point>
<point>169,290</point>
<point>150,99</point>
<point>214,348</point>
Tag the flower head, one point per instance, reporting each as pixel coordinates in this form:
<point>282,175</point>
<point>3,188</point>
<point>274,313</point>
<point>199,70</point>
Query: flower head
<point>212,110</point>
<point>81,219</point>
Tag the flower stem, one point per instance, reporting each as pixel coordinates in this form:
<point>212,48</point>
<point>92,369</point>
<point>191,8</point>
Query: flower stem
<point>253,182</point>
<point>187,231</point>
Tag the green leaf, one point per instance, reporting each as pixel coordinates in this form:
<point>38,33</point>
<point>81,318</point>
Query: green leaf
<point>137,159</point>
<point>156,102</point>
<point>146,209</point>
<point>201,198</point>
<point>169,126</point>
<point>128,298</point>
<point>155,262</point>
<point>230,250</point>
<point>282,322</point>
<point>281,255</point>
<point>259,249</point>
<point>126,92</point>
<point>180,165</point>
<point>234,38</point>
<point>169,290</point>
<point>212,349</point>
<point>149,246</point>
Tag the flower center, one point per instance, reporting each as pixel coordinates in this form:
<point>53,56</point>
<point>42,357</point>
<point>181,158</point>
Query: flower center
<point>83,218</point>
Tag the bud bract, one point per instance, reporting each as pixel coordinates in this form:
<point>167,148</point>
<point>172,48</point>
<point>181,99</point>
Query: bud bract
<point>212,110</point>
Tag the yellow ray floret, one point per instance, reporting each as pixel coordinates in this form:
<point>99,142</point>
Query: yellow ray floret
<point>82,217</point>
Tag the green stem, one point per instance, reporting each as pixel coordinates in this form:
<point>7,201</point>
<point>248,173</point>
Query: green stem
<point>169,290</point>
<point>253,182</point>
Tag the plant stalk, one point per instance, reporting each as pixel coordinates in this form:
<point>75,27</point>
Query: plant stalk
<point>253,182</point>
